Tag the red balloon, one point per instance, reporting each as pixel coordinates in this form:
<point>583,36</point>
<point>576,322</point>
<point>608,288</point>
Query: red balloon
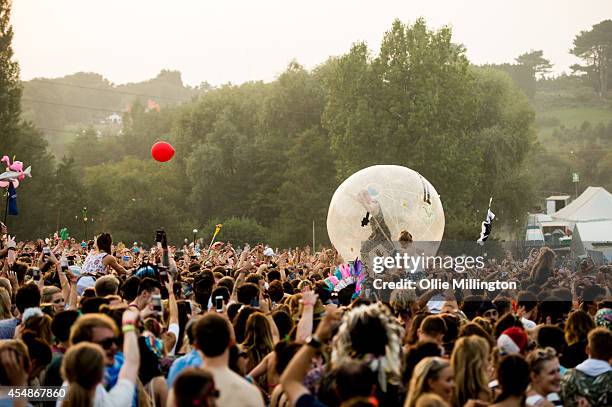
<point>162,151</point>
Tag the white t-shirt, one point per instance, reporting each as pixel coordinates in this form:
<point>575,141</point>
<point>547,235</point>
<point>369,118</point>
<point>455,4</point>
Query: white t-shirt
<point>121,395</point>
<point>175,329</point>
<point>234,390</point>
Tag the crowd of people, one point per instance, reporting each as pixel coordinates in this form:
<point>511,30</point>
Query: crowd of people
<point>121,325</point>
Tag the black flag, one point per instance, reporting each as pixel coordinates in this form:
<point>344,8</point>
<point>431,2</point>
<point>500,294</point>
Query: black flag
<point>485,229</point>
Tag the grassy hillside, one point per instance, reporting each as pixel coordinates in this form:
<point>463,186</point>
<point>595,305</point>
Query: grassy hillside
<point>566,103</point>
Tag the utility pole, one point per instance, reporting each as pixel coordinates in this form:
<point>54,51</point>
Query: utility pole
<point>313,237</point>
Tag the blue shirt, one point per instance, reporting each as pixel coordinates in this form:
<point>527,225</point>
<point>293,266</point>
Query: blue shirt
<point>187,360</point>
<point>111,376</point>
<point>7,328</point>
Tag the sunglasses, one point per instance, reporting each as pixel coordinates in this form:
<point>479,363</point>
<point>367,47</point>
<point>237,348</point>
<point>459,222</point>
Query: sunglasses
<point>108,343</point>
<point>58,301</point>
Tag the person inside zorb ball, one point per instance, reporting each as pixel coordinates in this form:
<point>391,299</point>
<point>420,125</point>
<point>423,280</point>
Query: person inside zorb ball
<point>381,210</point>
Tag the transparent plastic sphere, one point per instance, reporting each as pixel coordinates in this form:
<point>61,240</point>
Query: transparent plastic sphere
<point>408,202</point>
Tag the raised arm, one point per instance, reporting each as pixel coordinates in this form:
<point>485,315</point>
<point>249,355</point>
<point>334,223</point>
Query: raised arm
<point>111,261</point>
<point>130,367</point>
<point>304,327</point>
<point>73,297</point>
<point>293,376</point>
<point>173,317</point>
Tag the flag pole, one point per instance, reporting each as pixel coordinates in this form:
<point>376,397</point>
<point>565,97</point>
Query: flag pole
<point>7,204</point>
<point>313,237</point>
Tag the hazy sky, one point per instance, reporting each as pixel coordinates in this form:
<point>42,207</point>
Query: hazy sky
<point>239,40</point>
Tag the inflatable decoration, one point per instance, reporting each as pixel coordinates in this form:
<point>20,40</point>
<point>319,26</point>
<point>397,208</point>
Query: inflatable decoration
<point>380,203</point>
<point>162,151</point>
<point>14,173</point>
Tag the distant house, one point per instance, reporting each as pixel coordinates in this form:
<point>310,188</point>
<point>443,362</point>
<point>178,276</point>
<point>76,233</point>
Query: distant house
<point>113,119</point>
<point>152,105</point>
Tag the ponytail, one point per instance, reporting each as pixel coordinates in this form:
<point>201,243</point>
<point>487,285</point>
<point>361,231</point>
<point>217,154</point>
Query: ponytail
<point>78,396</point>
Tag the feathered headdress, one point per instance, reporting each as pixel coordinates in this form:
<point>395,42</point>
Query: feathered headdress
<point>345,275</point>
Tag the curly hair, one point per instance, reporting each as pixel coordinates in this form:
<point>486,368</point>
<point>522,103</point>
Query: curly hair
<point>370,333</point>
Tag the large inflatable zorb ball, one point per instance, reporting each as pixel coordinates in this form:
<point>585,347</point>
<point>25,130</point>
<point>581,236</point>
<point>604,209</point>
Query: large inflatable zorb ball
<point>397,196</point>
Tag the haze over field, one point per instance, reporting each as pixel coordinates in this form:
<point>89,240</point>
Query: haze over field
<point>242,40</point>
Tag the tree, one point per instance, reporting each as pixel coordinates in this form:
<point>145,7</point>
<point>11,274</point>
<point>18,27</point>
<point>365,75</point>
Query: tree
<point>306,192</point>
<point>132,198</point>
<point>594,47</point>
<point>69,199</point>
<point>10,88</point>
<point>21,140</point>
<point>536,62</point>
<point>419,104</point>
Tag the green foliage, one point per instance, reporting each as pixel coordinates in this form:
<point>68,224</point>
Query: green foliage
<point>22,141</point>
<point>133,198</point>
<point>10,88</point>
<point>419,104</point>
<point>309,184</point>
<point>522,75</point>
<point>584,149</point>
<point>535,61</point>
<point>594,47</point>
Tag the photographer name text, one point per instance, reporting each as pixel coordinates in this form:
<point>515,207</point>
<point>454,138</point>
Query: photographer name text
<point>438,284</point>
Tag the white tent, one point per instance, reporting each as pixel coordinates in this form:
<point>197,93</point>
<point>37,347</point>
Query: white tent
<point>593,236</point>
<point>594,204</point>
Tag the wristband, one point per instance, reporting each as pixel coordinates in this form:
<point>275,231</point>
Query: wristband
<point>128,323</point>
<point>128,328</point>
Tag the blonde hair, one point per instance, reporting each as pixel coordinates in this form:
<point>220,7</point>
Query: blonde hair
<point>19,348</point>
<point>83,369</point>
<point>469,360</point>
<point>5,282</point>
<point>258,339</point>
<point>48,293</point>
<point>41,324</point>
<point>5,304</point>
<point>537,357</point>
<point>426,369</point>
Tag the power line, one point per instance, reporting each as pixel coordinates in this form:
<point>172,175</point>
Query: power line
<point>67,105</point>
<point>73,132</point>
<point>109,90</point>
